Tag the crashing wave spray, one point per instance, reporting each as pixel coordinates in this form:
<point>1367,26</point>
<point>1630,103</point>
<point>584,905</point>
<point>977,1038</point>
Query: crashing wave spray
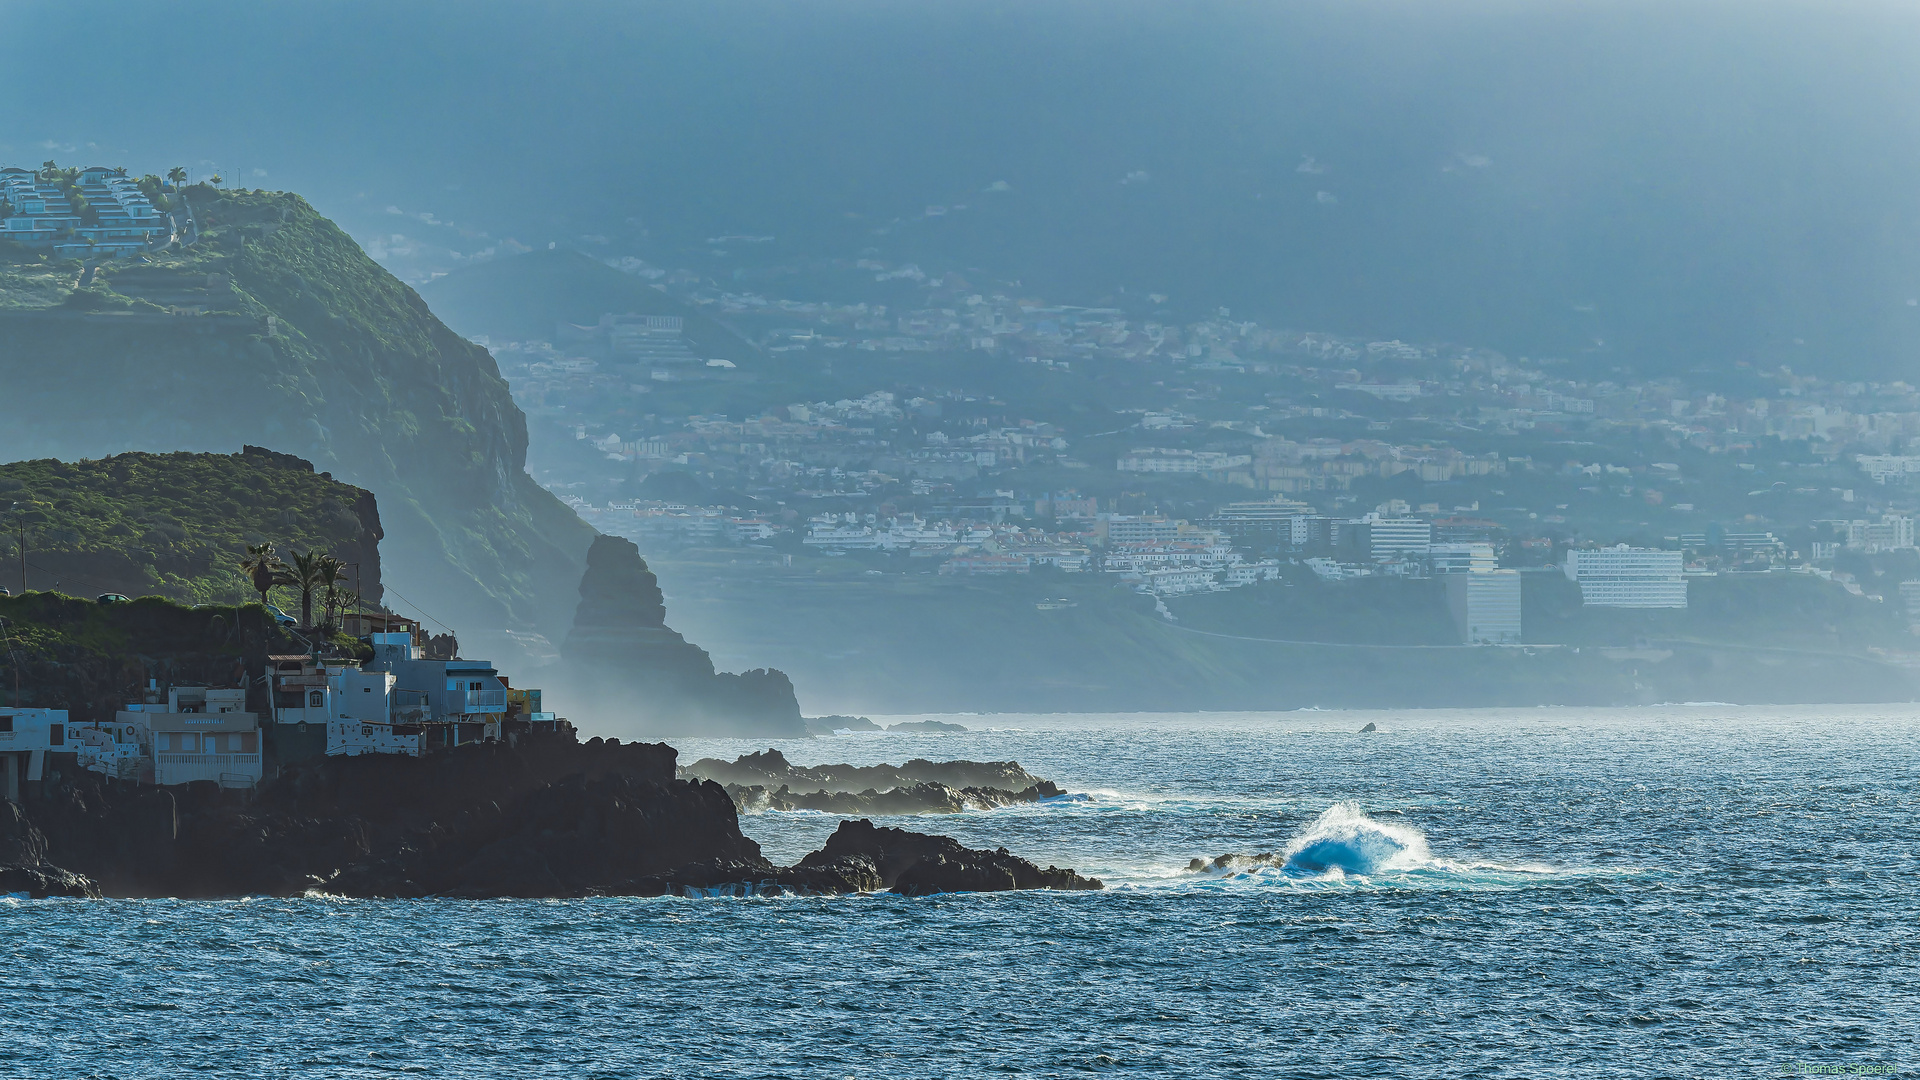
<point>1344,838</point>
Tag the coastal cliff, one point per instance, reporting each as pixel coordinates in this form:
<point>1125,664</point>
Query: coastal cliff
<point>626,666</point>
<point>274,328</point>
<point>548,817</point>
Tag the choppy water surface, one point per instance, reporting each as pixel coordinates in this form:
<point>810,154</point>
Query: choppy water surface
<point>1688,891</point>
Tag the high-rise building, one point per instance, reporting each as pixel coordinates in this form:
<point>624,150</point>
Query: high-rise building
<point>1622,576</point>
<point>1460,558</point>
<point>1391,537</point>
<point>1485,606</point>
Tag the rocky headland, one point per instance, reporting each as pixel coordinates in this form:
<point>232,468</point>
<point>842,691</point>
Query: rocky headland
<point>768,781</point>
<point>548,817</point>
<point>623,660</point>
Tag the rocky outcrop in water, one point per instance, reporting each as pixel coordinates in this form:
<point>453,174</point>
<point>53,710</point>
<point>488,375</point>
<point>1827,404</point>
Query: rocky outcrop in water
<point>630,668</point>
<point>548,817</point>
<point>914,864</point>
<point>914,799</point>
<point>771,769</point>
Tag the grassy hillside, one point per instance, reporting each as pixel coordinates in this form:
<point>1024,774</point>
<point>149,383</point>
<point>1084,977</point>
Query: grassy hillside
<point>177,525</point>
<point>276,329</point>
<point>522,297</point>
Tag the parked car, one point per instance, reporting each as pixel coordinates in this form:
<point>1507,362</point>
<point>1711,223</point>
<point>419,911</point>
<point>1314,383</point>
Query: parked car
<point>112,598</point>
<point>281,617</point>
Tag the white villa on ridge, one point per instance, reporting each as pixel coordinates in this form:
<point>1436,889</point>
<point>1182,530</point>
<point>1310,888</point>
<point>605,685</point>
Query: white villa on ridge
<point>40,214</point>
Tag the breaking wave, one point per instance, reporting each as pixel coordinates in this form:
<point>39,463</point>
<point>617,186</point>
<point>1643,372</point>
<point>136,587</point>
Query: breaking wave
<point>1344,838</point>
<point>1344,844</point>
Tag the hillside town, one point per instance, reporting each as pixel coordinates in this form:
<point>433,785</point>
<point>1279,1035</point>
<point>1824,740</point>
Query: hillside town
<point>993,434</point>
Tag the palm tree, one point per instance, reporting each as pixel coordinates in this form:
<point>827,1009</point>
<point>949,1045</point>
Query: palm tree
<point>215,180</point>
<point>264,568</point>
<point>306,578</point>
<point>176,176</point>
<point>332,573</point>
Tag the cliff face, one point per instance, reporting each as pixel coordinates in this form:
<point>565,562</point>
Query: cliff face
<point>632,671</point>
<point>177,525</point>
<point>276,329</point>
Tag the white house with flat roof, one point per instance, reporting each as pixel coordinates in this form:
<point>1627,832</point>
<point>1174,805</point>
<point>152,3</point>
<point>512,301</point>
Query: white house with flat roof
<point>122,749</point>
<point>27,736</point>
<point>458,701</point>
<point>205,734</point>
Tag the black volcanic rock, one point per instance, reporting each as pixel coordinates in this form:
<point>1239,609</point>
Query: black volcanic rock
<point>631,667</point>
<point>23,862</point>
<point>912,799</point>
<point>770,768</point>
<point>542,817</point>
<point>915,864</point>
<point>41,882</point>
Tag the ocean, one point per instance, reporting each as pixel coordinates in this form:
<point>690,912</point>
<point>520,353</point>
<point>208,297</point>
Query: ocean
<point>1663,892</point>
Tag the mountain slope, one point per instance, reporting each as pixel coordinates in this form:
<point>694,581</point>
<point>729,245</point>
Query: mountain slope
<point>276,329</point>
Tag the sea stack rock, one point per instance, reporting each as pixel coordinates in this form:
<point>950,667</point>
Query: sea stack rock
<point>632,669</point>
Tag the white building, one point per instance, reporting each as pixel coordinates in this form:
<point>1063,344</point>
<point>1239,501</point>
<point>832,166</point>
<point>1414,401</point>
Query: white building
<point>1392,537</point>
<point>26,737</point>
<point>1884,467</point>
<point>1485,606</point>
<point>360,715</point>
<point>1176,581</point>
<point>204,734</point>
<point>120,749</point>
<point>1160,460</point>
<point>1469,558</point>
<point>1623,576</point>
<point>1247,573</point>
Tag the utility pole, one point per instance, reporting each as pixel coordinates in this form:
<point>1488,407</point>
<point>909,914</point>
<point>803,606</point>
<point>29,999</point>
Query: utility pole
<point>20,520</point>
<point>356,595</point>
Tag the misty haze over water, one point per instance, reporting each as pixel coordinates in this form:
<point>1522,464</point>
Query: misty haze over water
<point>1659,184</point>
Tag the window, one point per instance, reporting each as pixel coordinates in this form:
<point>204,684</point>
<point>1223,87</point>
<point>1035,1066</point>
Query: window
<point>6,723</point>
<point>316,699</point>
<point>56,735</point>
<point>249,742</point>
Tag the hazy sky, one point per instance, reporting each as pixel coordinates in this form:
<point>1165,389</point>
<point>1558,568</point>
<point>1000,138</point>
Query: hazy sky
<point>1669,183</point>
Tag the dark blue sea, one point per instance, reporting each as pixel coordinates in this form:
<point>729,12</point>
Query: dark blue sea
<point>1678,891</point>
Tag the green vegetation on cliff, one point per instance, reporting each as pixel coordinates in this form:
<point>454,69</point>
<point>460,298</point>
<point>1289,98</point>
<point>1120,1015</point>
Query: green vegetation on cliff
<point>68,653</point>
<point>274,328</point>
<point>177,525</point>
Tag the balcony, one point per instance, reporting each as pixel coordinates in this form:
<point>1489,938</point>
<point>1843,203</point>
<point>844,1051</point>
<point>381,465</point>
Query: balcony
<point>477,701</point>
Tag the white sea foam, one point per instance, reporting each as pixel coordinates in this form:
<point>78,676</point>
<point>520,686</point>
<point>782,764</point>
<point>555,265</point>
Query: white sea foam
<point>1344,846</point>
<point>1344,838</point>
